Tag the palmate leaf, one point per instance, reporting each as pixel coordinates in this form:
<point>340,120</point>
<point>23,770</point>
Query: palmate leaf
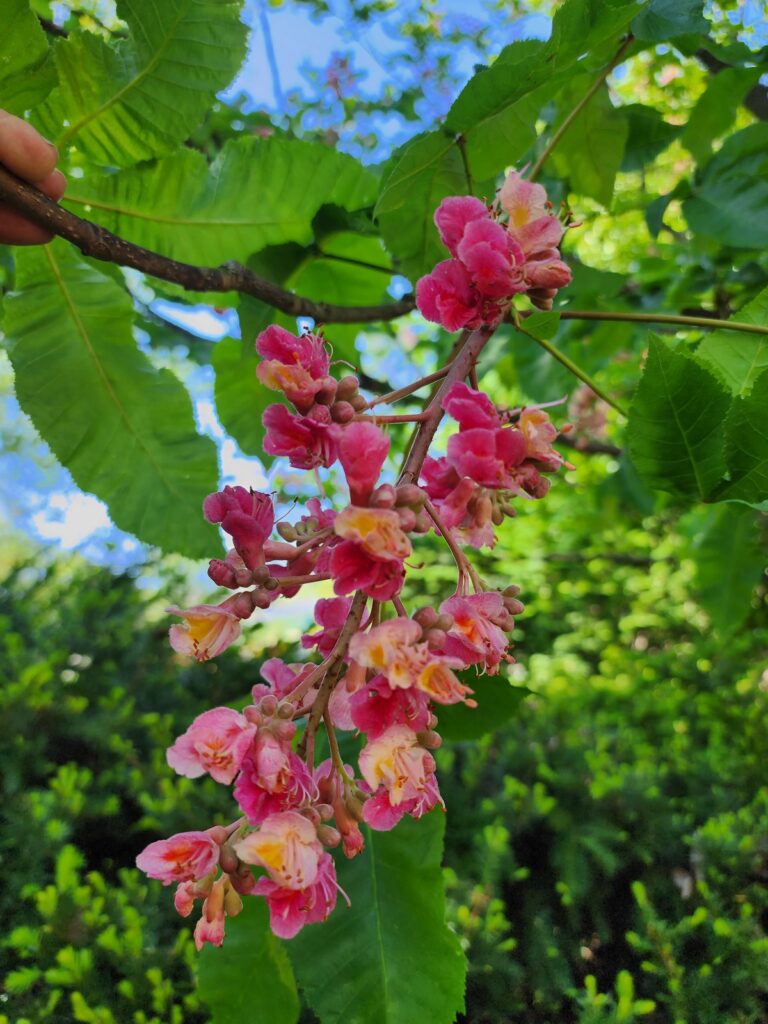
<point>676,435</point>
<point>124,430</point>
<point>249,980</point>
<point>258,192</point>
<point>136,99</point>
<point>394,960</point>
<point>429,169</point>
<point>590,152</point>
<point>746,446</point>
<point>729,565</point>
<point>729,199</point>
<point>27,74</point>
<point>736,357</point>
<point>666,19</point>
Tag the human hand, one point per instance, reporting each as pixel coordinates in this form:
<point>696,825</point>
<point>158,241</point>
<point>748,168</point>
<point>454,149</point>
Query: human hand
<point>27,154</point>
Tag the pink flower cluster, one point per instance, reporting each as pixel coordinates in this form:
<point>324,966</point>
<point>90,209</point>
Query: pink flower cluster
<point>497,253</point>
<point>490,460</point>
<point>378,672</point>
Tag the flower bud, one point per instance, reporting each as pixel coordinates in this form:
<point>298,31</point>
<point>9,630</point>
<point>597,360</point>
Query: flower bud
<point>232,902</point>
<point>432,723</point>
<point>384,496</point>
<point>358,402</point>
<point>328,835</point>
<point>217,834</point>
<point>286,709</point>
<point>253,715</point>
<point>423,523</point>
<point>268,705</point>
<point>324,811</point>
<point>342,412</point>
<point>272,583</point>
<point>287,531</point>
<point>410,494</point>
<point>429,739</point>
<point>426,617</point>
<point>497,516</point>
<point>222,574</point>
<point>228,859</point>
<point>354,807</point>
<point>285,730</point>
<point>320,413</point>
<point>511,590</point>
<point>327,392</point>
<point>261,598</point>
<point>444,621</point>
<point>435,639</point>
<point>407,519</point>
<point>513,606</point>
<point>347,387</point>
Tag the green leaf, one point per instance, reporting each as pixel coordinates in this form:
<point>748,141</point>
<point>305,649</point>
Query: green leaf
<point>429,169</point>
<point>729,200</point>
<point>675,430</point>
<point>665,19</point>
<point>497,702</point>
<point>729,565</point>
<point>395,961</point>
<point>249,979</point>
<point>123,429</point>
<point>736,357</point>
<point>258,192</point>
<point>27,73</point>
<point>240,396</point>
<point>716,109</point>
<point>746,446</point>
<point>136,99</point>
<point>590,152</point>
<point>649,134</point>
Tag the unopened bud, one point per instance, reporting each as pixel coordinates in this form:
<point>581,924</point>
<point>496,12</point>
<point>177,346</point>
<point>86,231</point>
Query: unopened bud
<point>354,807</point>
<point>426,617</point>
<point>228,859</point>
<point>497,516</point>
<point>287,531</point>
<point>222,574</point>
<point>342,412</point>
<point>324,811</point>
<point>232,902</point>
<point>327,392</point>
<point>310,524</point>
<point>320,413</point>
<point>432,722</point>
<point>444,621</point>
<point>347,387</point>
<point>384,496</point>
<point>284,730</point>
<point>268,705</point>
<point>218,834</point>
<point>436,638</point>
<point>512,590</point>
<point>261,598</point>
<point>410,494</point>
<point>429,739</point>
<point>328,835</point>
<point>252,715</point>
<point>260,575</point>
<point>286,709</point>
<point>513,606</point>
<point>358,402</point>
<point>423,523</point>
<point>241,605</point>
<point>407,519</point>
<point>271,583</point>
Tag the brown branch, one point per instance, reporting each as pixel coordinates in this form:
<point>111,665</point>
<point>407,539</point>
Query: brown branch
<point>589,447</point>
<point>100,244</point>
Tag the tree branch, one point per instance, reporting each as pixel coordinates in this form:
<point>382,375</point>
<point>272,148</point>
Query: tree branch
<point>100,244</point>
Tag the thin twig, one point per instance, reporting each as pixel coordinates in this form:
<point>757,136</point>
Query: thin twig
<point>409,389</point>
<point>463,564</point>
<point>100,244</point>
<point>572,368</point>
<point>710,323</point>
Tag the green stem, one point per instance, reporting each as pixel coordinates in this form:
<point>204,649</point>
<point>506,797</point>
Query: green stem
<point>572,368</point>
<point>461,142</point>
<point>664,318</point>
<point>563,128</point>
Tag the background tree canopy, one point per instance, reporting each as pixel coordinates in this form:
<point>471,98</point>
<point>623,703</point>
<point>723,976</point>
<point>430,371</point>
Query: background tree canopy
<point>605,852</point>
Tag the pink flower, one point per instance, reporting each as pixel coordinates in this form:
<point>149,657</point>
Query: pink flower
<point>297,366</point>
<point>306,441</point>
<point>294,787</point>
<point>523,200</point>
<point>378,706</point>
<point>476,637</point>
<point>470,408</point>
<point>396,761</point>
<point>216,742</point>
<point>377,530</point>
<point>381,814</point>
<point>207,630</point>
<point>333,792</point>
<point>291,909</point>
<point>286,844</point>
<point>447,297</point>
<point>184,857</point>
<point>248,516</point>
<point>493,259</point>
<point>454,214</point>
<point>353,568</point>
<point>362,451</point>
<point>330,613</point>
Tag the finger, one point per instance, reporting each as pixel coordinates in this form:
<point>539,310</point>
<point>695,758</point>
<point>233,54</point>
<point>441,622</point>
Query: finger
<point>54,185</point>
<point>23,150</point>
